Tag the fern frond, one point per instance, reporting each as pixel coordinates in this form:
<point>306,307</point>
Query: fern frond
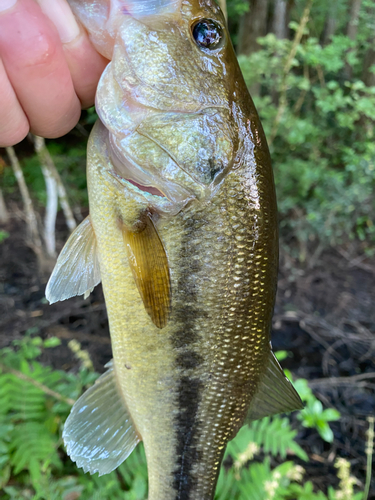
<point>254,480</point>
<point>27,402</point>
<point>5,393</point>
<point>134,467</point>
<point>305,492</point>
<point>30,445</point>
<point>274,435</point>
<point>227,485</point>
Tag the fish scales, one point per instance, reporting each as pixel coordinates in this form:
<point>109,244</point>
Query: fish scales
<point>209,356</point>
<point>182,233</point>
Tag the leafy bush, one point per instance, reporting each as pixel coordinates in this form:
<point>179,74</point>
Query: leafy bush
<point>35,401</point>
<point>322,140</point>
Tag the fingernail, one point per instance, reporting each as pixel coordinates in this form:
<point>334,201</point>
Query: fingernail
<point>7,4</point>
<point>62,17</point>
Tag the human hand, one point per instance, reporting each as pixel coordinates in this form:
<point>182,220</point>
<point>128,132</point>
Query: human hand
<point>48,69</point>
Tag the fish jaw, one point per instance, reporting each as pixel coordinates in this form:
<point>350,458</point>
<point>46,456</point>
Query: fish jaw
<point>101,18</point>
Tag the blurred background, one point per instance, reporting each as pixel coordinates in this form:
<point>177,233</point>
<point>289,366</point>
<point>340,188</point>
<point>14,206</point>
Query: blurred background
<point>310,67</point>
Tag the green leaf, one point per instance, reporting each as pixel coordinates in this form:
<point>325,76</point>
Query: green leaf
<point>325,432</point>
<point>52,342</point>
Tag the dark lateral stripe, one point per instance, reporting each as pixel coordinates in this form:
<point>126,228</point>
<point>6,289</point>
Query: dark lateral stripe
<point>190,387</point>
<point>187,437</point>
<point>189,360</point>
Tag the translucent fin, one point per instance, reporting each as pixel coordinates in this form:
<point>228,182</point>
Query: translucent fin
<point>149,264</point>
<point>99,434</point>
<point>275,394</point>
<point>77,268</point>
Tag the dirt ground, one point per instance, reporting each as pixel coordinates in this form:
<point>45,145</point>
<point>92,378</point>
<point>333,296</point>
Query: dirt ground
<point>324,317</point>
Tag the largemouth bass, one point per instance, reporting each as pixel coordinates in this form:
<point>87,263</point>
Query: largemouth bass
<point>182,232</point>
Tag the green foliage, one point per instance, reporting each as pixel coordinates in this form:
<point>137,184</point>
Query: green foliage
<point>3,235</point>
<point>30,420</point>
<point>272,435</point>
<point>313,415</point>
<point>323,146</point>
<point>237,8</point>
<point>35,400</point>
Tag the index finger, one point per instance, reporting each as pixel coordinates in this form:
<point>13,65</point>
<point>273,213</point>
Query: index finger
<point>34,61</point>
<point>85,63</point>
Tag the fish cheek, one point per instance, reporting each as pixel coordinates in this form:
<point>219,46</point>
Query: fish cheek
<point>203,144</point>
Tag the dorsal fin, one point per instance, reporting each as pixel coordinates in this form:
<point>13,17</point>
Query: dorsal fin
<point>275,393</point>
<point>99,434</point>
<point>77,268</point>
<point>149,264</point>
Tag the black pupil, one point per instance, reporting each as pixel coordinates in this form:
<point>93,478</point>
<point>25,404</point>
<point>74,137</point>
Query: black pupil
<point>207,34</point>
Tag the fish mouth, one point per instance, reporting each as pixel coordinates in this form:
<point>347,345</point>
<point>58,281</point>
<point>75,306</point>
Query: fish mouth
<point>147,189</point>
<point>163,195</point>
<point>147,181</point>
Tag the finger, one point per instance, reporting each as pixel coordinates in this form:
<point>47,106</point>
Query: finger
<point>85,63</point>
<point>14,125</point>
<point>35,64</point>
<point>86,67</point>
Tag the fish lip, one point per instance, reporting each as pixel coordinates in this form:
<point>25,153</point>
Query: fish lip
<point>147,189</point>
<point>141,189</point>
<point>147,184</point>
<point>162,204</point>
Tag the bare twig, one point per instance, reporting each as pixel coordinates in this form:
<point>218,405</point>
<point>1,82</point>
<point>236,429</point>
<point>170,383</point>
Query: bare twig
<point>357,262</point>
<point>4,216</point>
<point>301,98</point>
<point>369,453</point>
<point>313,334</point>
<point>52,198</point>
<point>37,384</point>
<point>334,381</point>
<point>288,64</point>
<point>28,204</point>
<point>47,161</point>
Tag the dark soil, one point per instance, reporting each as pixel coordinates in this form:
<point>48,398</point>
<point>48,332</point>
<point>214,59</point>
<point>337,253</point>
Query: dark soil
<point>324,317</point>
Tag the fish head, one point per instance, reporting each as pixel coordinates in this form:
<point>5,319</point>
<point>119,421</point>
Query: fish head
<point>172,97</point>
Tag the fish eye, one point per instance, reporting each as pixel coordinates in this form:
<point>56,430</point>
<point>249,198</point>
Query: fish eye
<point>208,34</point>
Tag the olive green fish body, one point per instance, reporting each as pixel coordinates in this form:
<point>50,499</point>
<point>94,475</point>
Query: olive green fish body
<point>182,233</point>
<point>188,386</point>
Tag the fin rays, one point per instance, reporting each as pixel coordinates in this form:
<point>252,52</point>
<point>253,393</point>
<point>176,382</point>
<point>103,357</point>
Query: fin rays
<point>149,264</point>
<point>77,269</point>
<point>275,393</point>
<point>99,434</point>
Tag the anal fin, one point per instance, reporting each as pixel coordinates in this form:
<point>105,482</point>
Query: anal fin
<point>99,434</point>
<point>275,393</point>
<point>149,264</point>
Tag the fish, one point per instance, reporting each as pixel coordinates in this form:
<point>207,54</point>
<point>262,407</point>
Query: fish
<point>182,232</point>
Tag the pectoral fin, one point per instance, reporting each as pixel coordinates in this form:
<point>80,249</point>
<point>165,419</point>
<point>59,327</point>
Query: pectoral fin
<point>149,264</point>
<point>99,434</point>
<point>77,269</point>
<point>275,393</point>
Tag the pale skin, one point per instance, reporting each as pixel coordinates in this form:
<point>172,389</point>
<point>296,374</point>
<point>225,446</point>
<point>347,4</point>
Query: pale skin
<point>49,69</point>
